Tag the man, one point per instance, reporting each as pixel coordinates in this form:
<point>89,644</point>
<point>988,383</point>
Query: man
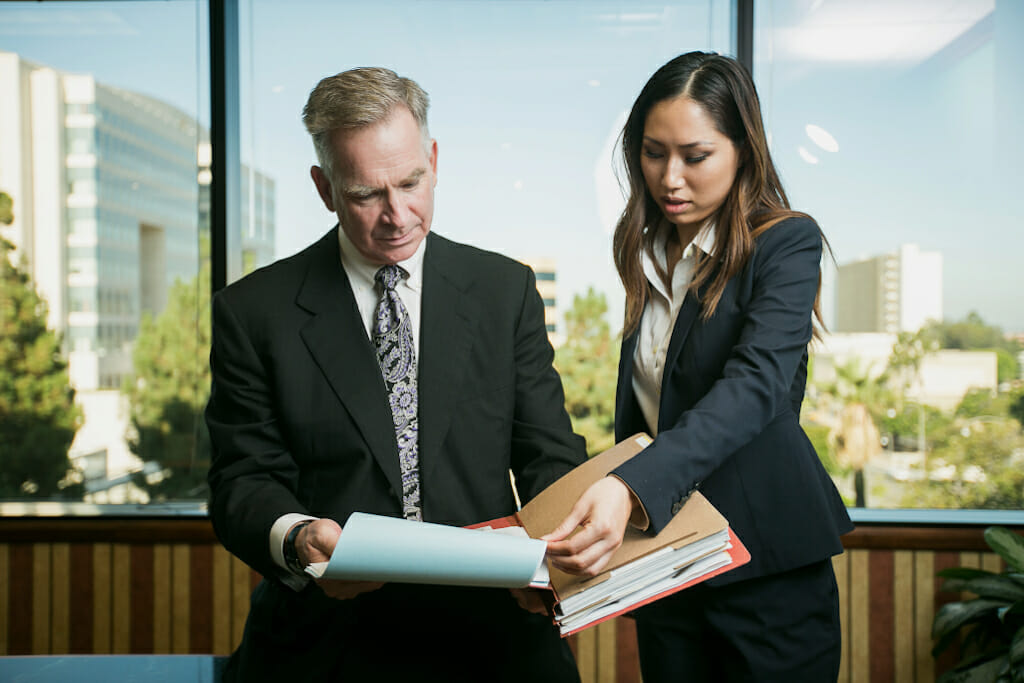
<point>342,383</point>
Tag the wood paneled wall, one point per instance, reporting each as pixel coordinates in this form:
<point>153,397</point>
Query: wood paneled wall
<point>167,587</point>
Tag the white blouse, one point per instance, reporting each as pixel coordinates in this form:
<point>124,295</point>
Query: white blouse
<point>659,319</point>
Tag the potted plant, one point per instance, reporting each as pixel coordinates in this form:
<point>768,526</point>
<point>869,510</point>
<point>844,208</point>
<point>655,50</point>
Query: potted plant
<point>992,624</point>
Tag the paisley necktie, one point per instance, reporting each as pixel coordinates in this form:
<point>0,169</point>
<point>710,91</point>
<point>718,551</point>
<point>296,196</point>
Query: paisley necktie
<point>392,337</point>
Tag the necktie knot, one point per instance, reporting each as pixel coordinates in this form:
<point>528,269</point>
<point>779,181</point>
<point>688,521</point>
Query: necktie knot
<point>389,276</point>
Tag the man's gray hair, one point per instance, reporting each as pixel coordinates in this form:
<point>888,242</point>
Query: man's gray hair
<point>358,98</point>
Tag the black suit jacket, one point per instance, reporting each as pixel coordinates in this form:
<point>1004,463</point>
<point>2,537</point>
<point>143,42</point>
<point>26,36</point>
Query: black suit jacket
<point>730,407</point>
<point>300,422</point>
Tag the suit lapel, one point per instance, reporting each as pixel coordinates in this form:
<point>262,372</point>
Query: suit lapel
<point>446,339</point>
<point>627,412</point>
<point>688,313</point>
<point>337,340</point>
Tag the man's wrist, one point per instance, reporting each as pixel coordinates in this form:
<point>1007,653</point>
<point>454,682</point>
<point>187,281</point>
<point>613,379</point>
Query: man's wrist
<point>291,553</point>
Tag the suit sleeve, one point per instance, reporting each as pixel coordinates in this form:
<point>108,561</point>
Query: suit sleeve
<point>754,384</point>
<point>544,446</point>
<point>253,477</point>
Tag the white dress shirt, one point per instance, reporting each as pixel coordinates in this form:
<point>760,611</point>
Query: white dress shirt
<point>360,273</point>
<point>659,319</point>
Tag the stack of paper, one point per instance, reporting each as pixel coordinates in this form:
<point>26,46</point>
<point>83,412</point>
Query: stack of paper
<point>694,546</point>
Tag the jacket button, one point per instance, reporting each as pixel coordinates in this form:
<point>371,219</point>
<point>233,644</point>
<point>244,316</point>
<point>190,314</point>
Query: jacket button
<point>676,507</point>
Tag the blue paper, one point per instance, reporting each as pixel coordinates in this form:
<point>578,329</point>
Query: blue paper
<point>376,548</point>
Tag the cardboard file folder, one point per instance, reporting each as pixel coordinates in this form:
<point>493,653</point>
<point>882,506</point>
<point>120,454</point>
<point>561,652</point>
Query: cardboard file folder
<point>694,546</point>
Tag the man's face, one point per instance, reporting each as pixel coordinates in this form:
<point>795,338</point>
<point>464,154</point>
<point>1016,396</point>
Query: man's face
<point>385,179</point>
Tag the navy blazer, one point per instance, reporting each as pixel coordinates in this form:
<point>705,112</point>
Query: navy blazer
<point>730,410</point>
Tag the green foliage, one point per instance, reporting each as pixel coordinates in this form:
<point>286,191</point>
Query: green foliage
<point>169,391</point>
<point>902,424</point>
<point>991,625</point>
<point>977,466</point>
<point>6,209</point>
<point>970,333</point>
<point>1007,367</point>
<point>983,403</point>
<point>1016,405</point>
<point>819,437</point>
<point>974,334</point>
<point>588,363</point>
<point>38,416</point>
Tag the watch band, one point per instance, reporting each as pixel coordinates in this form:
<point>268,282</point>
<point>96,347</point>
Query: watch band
<point>291,555</point>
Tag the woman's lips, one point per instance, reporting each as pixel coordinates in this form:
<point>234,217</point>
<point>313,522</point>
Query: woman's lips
<point>674,206</point>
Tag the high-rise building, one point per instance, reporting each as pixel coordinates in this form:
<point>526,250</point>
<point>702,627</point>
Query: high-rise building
<point>547,286</point>
<point>105,196</point>
<point>255,243</point>
<point>891,293</point>
<point>111,205</point>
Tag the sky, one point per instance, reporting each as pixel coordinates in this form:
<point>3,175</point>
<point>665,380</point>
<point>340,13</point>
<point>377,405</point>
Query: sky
<point>915,99</point>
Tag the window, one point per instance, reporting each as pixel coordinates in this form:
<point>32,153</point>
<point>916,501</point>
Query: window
<point>103,109</point>
<point>896,126</point>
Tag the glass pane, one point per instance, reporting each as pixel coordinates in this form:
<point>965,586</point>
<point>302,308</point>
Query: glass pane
<point>527,101</point>
<point>895,125</point>
<point>104,105</point>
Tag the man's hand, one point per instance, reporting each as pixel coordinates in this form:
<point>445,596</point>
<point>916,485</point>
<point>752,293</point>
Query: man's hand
<point>315,543</point>
<point>601,514</point>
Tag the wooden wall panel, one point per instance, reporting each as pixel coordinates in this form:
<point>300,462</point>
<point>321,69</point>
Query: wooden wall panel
<point>40,621</point>
<point>5,592</point>
<point>903,615</point>
<point>841,568</point>
<point>860,616</point>
<point>162,598</point>
<point>115,589</point>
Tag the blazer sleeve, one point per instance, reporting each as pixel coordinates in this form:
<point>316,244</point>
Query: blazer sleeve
<point>544,446</point>
<point>754,385</point>
<point>253,477</point>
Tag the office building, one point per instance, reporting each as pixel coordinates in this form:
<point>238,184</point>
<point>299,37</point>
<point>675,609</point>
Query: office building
<point>891,293</point>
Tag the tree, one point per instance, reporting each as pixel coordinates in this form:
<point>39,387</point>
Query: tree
<point>979,466</point>
<point>973,333</point>
<point>170,389</point>
<point>588,362</point>
<point>855,438</point>
<point>38,415</point>
<point>1016,408</point>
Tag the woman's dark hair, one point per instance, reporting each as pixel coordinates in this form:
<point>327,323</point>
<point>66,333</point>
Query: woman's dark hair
<point>756,201</point>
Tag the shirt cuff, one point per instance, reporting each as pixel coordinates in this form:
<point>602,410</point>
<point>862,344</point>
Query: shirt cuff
<point>638,519</point>
<point>278,533</point>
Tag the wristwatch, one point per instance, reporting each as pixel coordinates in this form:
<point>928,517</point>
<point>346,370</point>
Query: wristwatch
<point>291,555</point>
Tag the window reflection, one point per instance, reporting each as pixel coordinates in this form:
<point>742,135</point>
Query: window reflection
<point>100,123</point>
<point>892,124</point>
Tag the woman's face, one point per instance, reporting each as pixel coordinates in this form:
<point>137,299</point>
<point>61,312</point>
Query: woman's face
<point>688,165</point>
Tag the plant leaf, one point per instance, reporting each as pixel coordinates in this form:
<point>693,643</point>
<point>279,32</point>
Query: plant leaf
<point>965,573</point>
<point>1014,610</point>
<point>1009,545</point>
<point>953,615</point>
<point>982,672</point>
<point>1017,648</point>
<point>995,587</point>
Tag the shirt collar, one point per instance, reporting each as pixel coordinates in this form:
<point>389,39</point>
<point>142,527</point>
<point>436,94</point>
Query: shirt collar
<point>359,267</point>
<point>704,240</point>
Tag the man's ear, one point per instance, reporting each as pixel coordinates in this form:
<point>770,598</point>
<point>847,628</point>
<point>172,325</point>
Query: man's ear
<point>323,187</point>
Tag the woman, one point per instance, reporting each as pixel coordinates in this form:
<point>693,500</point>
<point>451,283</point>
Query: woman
<point>722,281</point>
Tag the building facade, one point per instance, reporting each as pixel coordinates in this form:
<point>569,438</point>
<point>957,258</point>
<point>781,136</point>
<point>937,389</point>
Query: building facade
<point>891,293</point>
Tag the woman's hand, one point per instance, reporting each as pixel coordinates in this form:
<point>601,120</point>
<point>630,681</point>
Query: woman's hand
<point>601,514</point>
<point>315,543</point>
